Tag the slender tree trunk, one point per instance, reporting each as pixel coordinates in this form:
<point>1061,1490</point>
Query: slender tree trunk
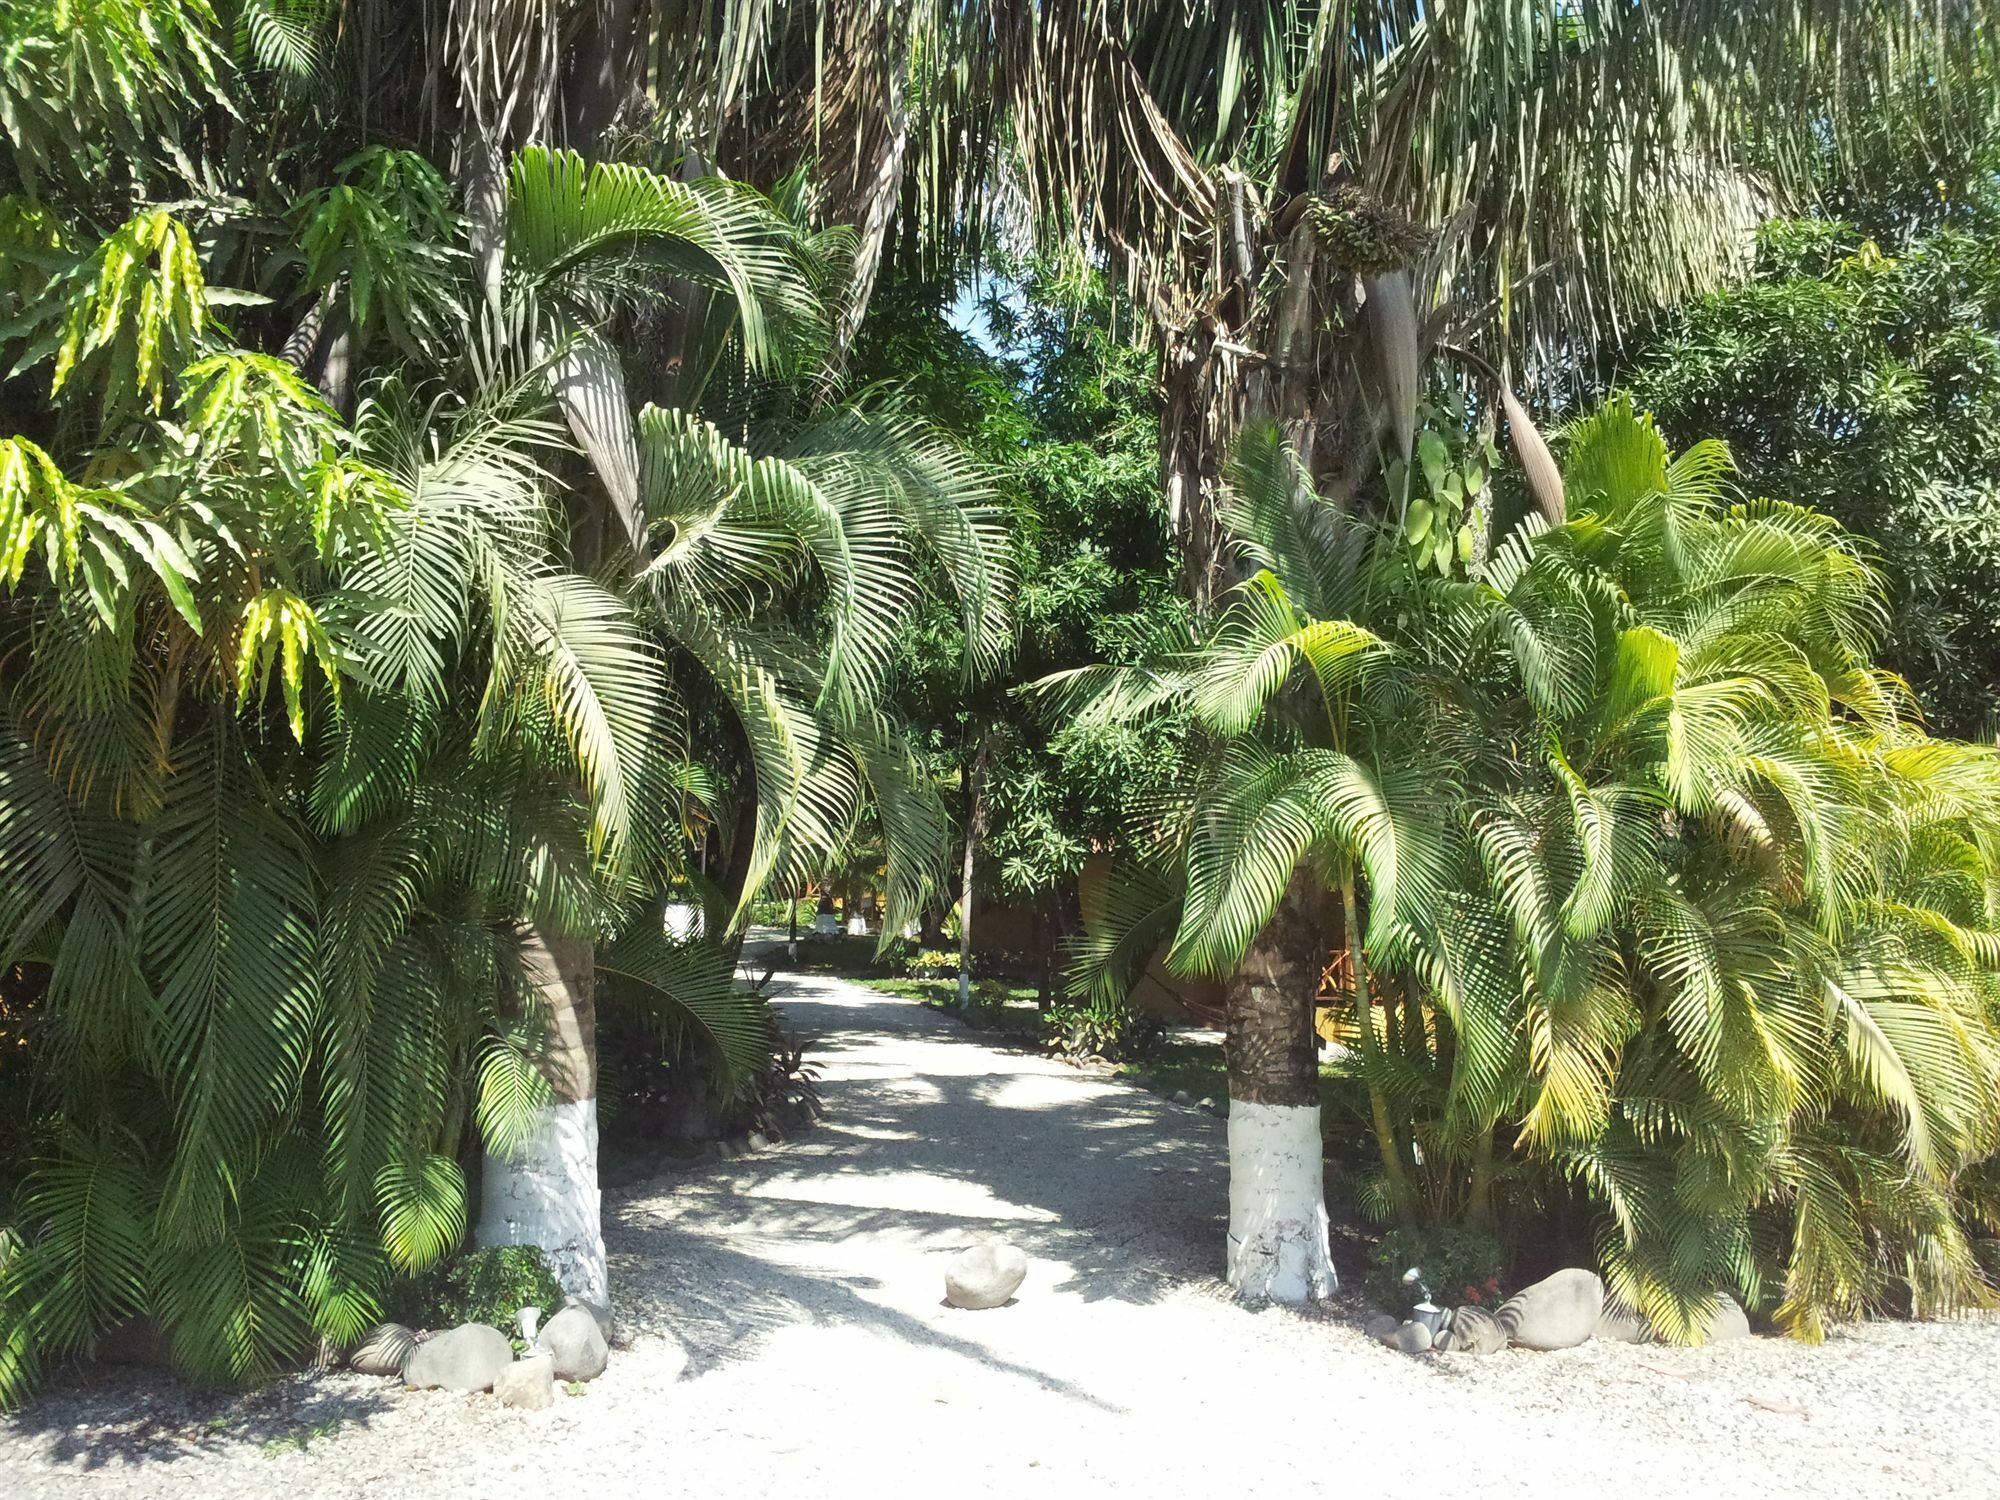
<point>546,1194</point>
<point>930,930</point>
<point>734,879</point>
<point>1479,1194</point>
<point>1277,1183</point>
<point>1400,1193</point>
<point>975,830</point>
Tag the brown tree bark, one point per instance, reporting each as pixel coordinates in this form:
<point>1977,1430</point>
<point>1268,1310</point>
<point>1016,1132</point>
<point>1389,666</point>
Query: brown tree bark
<point>1268,1037</point>
<point>975,830</point>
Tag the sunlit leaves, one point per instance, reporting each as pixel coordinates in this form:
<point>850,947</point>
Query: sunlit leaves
<point>584,230</point>
<point>91,536</point>
<point>423,1208</point>
<point>89,87</point>
<point>124,316</point>
<point>281,630</point>
<point>513,1091</point>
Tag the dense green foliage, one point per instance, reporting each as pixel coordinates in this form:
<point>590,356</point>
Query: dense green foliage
<point>1861,376</point>
<point>357,630</point>
<point>482,1286</point>
<point>1651,880</point>
<point>1063,410</point>
<point>420,542</point>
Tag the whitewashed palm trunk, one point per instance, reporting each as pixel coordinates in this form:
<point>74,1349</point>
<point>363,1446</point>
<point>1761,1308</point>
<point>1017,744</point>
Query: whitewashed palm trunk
<point>1278,1247</point>
<point>546,1194</point>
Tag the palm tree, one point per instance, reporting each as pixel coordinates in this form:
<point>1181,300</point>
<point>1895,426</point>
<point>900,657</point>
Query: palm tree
<point>274,927</point>
<point>292,940</point>
<point>1663,859</point>
<point>1329,786</point>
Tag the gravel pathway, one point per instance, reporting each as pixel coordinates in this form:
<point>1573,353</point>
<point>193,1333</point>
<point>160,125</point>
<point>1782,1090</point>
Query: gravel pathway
<point>804,1284</point>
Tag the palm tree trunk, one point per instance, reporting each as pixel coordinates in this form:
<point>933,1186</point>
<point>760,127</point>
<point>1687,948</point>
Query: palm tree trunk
<point>975,829</point>
<point>1277,1183</point>
<point>546,1194</point>
<point>1479,1193</point>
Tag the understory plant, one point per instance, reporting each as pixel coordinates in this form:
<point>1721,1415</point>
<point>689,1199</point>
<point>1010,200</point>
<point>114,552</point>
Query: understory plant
<point>488,1286</point>
<point>1108,1031</point>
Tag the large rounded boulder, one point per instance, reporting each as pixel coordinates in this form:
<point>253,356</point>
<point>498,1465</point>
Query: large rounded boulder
<point>468,1358</point>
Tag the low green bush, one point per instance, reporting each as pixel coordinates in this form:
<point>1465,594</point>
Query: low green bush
<point>1460,1265</point>
<point>931,963</point>
<point>481,1286</point>
<point>1115,1035</point>
<point>988,1001</point>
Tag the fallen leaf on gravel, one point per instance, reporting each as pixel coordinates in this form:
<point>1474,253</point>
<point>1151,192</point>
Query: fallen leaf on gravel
<point>1646,1364</point>
<point>1782,1405</point>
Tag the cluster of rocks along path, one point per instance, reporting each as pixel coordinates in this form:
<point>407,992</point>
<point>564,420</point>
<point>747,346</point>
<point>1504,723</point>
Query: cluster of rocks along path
<point>802,1288</point>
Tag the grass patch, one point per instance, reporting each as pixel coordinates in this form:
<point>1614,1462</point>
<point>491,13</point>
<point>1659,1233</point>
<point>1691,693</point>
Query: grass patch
<point>1177,1063</point>
<point>299,1439</point>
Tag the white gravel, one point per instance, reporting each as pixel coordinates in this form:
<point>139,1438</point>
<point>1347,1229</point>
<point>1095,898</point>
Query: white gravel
<point>806,1286</point>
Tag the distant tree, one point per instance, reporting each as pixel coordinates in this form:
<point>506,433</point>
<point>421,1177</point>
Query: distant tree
<point>1858,372</point>
<point>1063,409</point>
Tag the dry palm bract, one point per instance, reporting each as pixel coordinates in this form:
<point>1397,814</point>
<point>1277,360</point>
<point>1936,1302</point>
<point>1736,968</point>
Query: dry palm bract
<point>1653,883</point>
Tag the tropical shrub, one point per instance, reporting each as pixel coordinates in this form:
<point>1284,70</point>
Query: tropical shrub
<point>1460,1264</point>
<point>1110,1032</point>
<point>486,1286</point>
<point>353,632</point>
<point>931,963</point>
<point>1644,876</point>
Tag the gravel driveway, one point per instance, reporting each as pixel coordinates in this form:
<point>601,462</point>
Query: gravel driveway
<point>805,1286</point>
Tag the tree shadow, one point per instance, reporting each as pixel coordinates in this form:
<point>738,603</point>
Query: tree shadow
<point>103,1416</point>
<point>931,1141</point>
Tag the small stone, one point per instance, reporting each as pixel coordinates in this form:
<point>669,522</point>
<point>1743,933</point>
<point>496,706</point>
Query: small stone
<point>606,1323</point>
<point>985,1275</point>
<point>529,1383</point>
<point>1411,1338</point>
<point>1731,1322</point>
<point>1209,1105</point>
<point>576,1343</point>
<point>382,1350</point>
<point>758,1141</point>
<point>1181,1096</point>
<point>469,1358</point>
<point>1382,1327</point>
